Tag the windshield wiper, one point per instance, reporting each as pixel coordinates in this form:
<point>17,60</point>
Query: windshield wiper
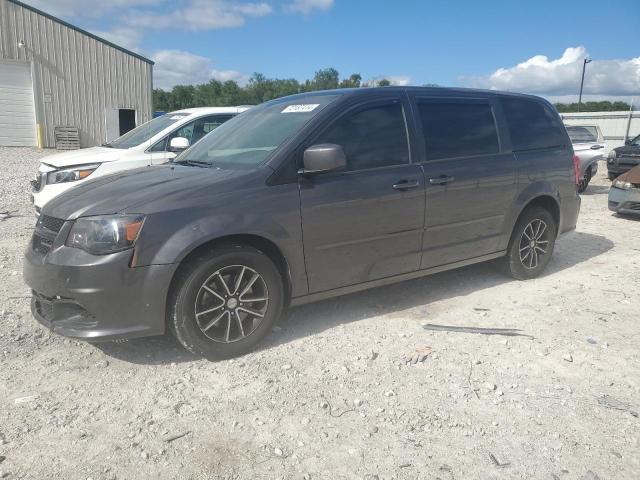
<point>108,145</point>
<point>193,163</point>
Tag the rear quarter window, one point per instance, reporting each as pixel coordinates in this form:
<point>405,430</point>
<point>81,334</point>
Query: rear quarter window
<point>532,124</point>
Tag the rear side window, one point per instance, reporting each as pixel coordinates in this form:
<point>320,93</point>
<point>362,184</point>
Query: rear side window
<point>457,128</point>
<point>532,124</point>
<point>371,137</point>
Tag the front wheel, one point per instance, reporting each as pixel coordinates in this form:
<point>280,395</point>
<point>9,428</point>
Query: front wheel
<point>531,245</point>
<point>224,302</point>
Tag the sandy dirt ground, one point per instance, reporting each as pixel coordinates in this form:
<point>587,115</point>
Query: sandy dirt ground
<point>329,394</point>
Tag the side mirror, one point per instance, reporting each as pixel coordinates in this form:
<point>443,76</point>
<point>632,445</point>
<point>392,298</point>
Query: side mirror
<point>178,144</point>
<point>324,157</point>
<point>627,142</point>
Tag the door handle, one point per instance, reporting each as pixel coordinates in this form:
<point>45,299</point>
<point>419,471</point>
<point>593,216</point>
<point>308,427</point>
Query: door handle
<point>406,185</point>
<point>441,180</point>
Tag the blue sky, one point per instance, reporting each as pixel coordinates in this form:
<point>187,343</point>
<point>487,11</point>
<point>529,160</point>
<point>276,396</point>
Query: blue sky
<point>450,43</point>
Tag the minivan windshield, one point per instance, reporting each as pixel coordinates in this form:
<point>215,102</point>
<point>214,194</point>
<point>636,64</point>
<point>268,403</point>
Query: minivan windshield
<point>581,135</point>
<point>145,131</point>
<point>244,142</point>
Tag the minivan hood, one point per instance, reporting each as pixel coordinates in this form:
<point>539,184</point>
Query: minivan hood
<point>83,156</point>
<point>131,190</point>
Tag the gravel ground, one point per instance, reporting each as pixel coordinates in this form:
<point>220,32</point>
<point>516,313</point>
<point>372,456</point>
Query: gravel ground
<point>330,394</point>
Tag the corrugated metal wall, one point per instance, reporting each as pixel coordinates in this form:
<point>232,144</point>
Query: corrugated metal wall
<point>612,124</point>
<point>76,77</point>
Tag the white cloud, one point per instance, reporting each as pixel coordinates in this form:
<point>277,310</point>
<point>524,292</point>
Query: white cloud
<point>175,67</point>
<point>561,76</point>
<point>202,15</point>
<point>122,36</point>
<point>308,6</point>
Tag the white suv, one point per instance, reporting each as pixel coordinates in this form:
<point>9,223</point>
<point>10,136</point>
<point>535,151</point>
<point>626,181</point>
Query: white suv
<point>154,142</point>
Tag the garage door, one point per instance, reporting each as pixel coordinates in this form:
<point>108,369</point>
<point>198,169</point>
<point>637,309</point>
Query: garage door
<point>17,112</point>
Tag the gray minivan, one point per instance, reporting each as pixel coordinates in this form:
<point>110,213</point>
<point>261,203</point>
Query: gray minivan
<point>299,199</point>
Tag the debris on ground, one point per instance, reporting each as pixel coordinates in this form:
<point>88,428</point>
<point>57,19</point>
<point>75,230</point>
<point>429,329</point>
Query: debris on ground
<point>509,332</point>
<point>496,462</point>
<point>608,401</point>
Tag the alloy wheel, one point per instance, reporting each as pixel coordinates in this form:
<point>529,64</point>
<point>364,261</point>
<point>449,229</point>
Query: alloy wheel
<point>534,243</point>
<point>231,303</point>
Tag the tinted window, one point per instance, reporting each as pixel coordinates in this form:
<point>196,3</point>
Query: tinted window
<point>371,137</point>
<point>192,131</point>
<point>532,124</point>
<point>458,129</point>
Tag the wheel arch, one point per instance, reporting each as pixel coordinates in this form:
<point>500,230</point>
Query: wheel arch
<point>540,195</point>
<point>263,244</point>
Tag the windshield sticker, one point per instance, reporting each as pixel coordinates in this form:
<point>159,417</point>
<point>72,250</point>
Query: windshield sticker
<point>178,117</point>
<point>309,107</point>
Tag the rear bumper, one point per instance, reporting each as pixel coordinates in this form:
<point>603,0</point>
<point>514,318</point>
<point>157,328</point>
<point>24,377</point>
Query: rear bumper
<point>569,210</point>
<point>96,298</point>
<point>626,202</point>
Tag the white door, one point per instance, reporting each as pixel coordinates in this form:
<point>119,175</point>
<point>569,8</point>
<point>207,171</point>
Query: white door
<point>17,111</point>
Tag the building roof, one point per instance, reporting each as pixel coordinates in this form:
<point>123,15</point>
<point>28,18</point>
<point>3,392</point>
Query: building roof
<point>84,32</point>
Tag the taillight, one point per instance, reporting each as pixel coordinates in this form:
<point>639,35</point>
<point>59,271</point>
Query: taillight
<point>576,168</point>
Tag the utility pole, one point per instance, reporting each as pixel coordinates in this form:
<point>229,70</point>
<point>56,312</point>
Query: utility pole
<point>584,66</point>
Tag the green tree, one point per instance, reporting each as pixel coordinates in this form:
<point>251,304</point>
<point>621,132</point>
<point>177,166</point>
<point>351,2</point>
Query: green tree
<point>384,83</point>
<point>354,81</point>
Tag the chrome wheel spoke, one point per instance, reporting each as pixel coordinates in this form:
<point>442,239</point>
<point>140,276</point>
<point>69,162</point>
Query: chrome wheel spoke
<point>240,325</point>
<point>224,284</point>
<point>212,292</point>
<point>214,321</point>
<point>254,300</point>
<point>239,280</point>
<point>543,228</point>
<point>251,312</point>
<point>209,310</point>
<point>253,280</point>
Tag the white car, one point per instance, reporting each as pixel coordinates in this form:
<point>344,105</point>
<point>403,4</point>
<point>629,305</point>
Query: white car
<point>154,142</point>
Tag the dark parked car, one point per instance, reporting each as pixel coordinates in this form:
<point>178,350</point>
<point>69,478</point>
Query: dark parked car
<point>624,194</point>
<point>623,159</point>
<point>299,199</point>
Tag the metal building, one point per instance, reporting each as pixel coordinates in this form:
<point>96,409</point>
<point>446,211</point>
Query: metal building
<point>53,74</point>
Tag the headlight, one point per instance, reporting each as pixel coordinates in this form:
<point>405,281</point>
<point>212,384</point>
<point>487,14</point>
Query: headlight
<point>105,234</point>
<point>71,174</point>
<point>622,184</point>
<point>612,154</point>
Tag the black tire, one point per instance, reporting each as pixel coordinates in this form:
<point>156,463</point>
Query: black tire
<point>584,182</point>
<point>524,232</point>
<point>237,332</point>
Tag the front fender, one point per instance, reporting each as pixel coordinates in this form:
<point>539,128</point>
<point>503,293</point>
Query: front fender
<point>271,213</point>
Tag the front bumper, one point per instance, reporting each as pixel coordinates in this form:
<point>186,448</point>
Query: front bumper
<point>626,202</point>
<point>621,165</point>
<point>98,298</point>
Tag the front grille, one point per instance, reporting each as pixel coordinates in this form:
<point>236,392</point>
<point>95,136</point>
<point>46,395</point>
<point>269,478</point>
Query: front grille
<point>41,244</point>
<point>50,223</point>
<point>634,206</point>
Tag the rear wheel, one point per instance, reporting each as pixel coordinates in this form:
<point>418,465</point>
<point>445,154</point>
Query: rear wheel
<point>584,182</point>
<point>224,302</point>
<point>531,245</point>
